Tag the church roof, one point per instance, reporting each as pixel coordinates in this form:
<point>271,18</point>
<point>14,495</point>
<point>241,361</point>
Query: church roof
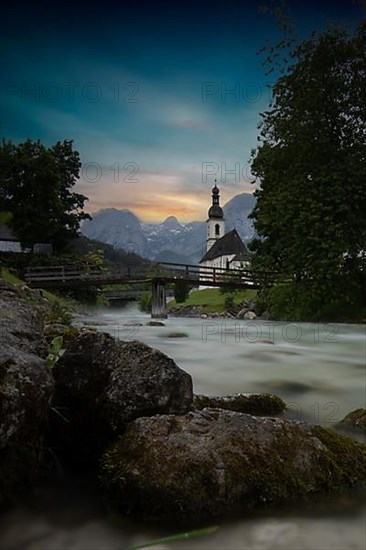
<point>230,243</point>
<point>215,211</point>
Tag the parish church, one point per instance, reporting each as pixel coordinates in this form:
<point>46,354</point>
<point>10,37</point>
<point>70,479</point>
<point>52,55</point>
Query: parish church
<point>223,250</point>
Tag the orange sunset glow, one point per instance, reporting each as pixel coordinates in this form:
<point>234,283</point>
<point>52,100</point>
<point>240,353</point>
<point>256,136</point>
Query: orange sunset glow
<point>157,196</point>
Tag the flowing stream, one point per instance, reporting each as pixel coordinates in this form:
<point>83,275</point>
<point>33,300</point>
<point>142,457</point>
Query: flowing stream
<point>319,370</point>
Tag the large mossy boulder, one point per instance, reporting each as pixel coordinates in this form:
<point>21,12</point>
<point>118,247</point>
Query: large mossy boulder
<point>26,389</point>
<point>213,462</point>
<point>258,404</point>
<point>102,383</point>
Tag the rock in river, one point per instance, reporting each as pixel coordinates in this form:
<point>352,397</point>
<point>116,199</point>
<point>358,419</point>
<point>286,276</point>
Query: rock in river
<point>102,383</point>
<point>213,462</point>
<point>259,404</point>
<point>355,419</point>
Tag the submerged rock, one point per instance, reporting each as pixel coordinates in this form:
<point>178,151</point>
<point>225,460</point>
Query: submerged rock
<point>287,386</point>
<point>214,462</point>
<point>155,324</point>
<point>258,404</point>
<point>102,383</point>
<point>250,315</point>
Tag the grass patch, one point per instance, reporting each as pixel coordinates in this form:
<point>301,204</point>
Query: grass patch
<point>9,277</point>
<point>62,301</point>
<point>118,287</point>
<point>180,536</point>
<point>211,299</point>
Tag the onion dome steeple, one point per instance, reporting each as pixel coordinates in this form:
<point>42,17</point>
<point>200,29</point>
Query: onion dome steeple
<point>215,211</point>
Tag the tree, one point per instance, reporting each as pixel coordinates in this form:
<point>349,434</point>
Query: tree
<point>36,187</point>
<point>181,291</point>
<point>311,163</point>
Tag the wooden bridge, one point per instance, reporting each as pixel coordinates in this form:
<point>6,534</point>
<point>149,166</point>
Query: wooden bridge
<point>158,275</point>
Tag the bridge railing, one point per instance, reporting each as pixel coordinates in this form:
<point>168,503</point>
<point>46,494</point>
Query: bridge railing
<point>219,274</point>
<point>168,271</point>
<point>57,272</point>
<point>67,273</point>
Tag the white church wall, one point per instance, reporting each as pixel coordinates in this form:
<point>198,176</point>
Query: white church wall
<point>215,230</point>
<point>221,264</point>
<point>239,265</point>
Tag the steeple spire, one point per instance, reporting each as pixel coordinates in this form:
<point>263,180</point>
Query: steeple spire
<point>215,222</point>
<point>215,211</point>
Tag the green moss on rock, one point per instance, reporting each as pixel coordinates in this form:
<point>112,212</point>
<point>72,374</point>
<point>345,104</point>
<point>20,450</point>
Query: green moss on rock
<point>258,404</point>
<point>341,454</point>
<point>212,462</point>
<point>355,419</point>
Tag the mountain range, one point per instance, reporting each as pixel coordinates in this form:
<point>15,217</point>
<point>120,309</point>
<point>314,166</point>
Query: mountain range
<point>170,240</point>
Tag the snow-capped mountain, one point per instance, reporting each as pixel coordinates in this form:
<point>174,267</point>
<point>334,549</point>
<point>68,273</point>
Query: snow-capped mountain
<point>170,240</point>
<point>236,213</point>
<point>120,228</point>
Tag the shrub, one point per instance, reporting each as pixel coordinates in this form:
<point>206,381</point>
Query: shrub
<point>145,302</point>
<point>229,302</point>
<point>181,291</point>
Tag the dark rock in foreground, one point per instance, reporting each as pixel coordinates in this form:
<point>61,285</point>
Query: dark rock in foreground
<point>258,404</point>
<point>21,325</point>
<point>26,388</point>
<point>102,383</point>
<point>214,462</point>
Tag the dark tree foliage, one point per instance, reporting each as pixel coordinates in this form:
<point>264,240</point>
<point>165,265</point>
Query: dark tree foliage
<point>181,291</point>
<point>311,162</point>
<point>36,187</point>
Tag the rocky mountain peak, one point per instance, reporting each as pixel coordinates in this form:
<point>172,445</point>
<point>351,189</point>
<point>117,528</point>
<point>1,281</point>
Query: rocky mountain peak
<point>171,222</point>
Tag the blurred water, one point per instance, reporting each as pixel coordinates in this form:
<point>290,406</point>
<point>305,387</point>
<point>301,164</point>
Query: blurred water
<point>319,370</point>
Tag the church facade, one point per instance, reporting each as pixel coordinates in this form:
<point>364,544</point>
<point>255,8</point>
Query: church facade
<point>223,250</point>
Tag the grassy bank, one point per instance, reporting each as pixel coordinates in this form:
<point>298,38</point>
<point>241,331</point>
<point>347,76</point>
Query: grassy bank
<point>211,299</point>
<point>61,306</point>
<point>10,277</point>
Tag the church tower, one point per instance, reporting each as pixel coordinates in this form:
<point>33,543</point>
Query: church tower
<point>215,222</point>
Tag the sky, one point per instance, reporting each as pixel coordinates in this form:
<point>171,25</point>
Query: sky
<point>160,98</point>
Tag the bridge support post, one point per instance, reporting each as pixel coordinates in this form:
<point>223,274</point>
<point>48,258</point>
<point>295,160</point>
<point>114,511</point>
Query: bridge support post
<point>158,304</point>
